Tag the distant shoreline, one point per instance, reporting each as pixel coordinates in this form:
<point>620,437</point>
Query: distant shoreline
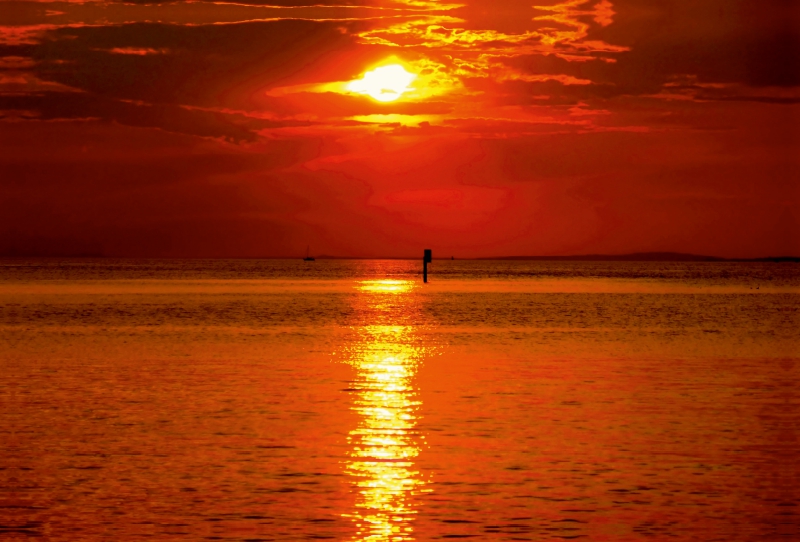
<point>633,257</point>
<point>647,257</point>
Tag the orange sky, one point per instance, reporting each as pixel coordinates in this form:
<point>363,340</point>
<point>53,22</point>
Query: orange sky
<point>572,127</point>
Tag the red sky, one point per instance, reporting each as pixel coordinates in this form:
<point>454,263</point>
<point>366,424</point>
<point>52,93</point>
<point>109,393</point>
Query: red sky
<point>569,127</point>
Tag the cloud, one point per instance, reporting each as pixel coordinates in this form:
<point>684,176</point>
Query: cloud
<point>223,129</point>
<point>74,105</point>
<point>716,41</point>
<point>203,66</point>
<point>58,14</point>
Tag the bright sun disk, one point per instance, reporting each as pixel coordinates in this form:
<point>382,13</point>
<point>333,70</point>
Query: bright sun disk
<point>385,84</point>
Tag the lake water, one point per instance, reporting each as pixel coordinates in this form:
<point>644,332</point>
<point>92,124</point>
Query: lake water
<point>345,400</point>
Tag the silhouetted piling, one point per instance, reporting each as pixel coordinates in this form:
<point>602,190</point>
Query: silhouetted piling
<point>428,257</point>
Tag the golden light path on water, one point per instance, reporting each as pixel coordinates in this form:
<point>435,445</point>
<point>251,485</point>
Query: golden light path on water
<point>385,442</point>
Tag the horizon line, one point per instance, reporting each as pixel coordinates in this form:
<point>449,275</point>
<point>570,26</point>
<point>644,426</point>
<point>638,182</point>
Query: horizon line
<point>631,256</point>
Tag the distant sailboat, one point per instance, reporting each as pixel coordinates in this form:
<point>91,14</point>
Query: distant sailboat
<point>308,258</point>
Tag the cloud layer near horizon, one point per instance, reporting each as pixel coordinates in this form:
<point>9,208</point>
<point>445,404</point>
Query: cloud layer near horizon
<point>211,129</point>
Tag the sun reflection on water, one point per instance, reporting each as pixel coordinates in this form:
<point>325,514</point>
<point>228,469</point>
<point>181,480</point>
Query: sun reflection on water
<point>386,286</point>
<point>385,442</point>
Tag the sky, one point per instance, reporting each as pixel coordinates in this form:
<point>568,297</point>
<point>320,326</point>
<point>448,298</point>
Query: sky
<point>538,127</point>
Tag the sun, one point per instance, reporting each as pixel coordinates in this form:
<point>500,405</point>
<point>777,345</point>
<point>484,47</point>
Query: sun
<point>385,84</point>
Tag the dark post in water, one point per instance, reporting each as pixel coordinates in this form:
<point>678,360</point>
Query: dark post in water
<point>425,259</point>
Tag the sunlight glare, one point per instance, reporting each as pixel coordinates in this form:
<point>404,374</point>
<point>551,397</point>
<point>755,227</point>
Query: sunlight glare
<point>385,84</point>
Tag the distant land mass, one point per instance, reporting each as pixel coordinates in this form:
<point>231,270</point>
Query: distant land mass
<point>646,257</point>
<point>91,252</point>
<point>633,257</point>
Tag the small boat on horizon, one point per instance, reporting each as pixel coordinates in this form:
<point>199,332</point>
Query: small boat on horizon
<point>308,258</point>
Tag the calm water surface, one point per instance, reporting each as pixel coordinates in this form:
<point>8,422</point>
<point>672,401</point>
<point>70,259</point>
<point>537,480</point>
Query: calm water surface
<point>345,400</point>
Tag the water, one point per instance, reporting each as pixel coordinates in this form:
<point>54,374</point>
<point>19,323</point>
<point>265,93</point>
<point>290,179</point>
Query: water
<point>345,400</point>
